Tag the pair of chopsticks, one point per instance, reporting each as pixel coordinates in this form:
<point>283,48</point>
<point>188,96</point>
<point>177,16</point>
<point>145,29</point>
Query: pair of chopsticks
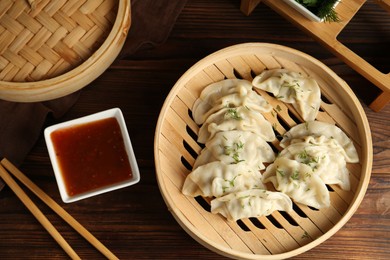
<point>5,167</point>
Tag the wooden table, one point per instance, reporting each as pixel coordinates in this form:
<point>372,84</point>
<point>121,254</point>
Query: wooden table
<point>134,222</point>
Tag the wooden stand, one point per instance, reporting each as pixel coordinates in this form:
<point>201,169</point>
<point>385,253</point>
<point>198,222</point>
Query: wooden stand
<point>326,34</point>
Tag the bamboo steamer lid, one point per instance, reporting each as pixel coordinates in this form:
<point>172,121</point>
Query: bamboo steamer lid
<point>49,49</point>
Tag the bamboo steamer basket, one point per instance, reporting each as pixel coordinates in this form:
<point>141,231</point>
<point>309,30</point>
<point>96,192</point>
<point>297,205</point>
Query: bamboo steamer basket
<point>49,49</point>
<point>280,235</point>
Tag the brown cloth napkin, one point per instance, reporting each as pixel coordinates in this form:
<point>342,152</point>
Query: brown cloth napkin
<point>21,123</point>
<point>151,23</point>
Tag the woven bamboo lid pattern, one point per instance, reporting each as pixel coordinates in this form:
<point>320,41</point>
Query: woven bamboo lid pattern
<point>42,41</point>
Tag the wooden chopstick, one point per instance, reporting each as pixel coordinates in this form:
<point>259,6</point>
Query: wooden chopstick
<point>57,209</point>
<point>37,213</point>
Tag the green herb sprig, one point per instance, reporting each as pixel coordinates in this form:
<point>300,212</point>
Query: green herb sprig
<point>234,151</point>
<point>322,8</point>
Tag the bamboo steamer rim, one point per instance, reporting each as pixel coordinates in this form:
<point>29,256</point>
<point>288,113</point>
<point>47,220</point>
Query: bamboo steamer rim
<point>356,111</point>
<point>78,77</point>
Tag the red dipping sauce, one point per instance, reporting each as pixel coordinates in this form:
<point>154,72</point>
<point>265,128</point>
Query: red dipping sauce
<point>91,155</point>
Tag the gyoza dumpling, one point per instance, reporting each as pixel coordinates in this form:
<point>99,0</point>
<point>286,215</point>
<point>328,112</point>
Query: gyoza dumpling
<point>292,87</point>
<point>325,160</point>
<point>298,181</point>
<point>206,156</point>
<point>250,203</point>
<point>239,118</point>
<point>216,90</point>
<point>225,94</point>
<point>316,129</point>
<point>236,146</point>
<point>217,179</point>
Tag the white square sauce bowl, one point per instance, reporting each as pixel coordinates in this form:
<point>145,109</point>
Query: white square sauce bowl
<point>91,155</point>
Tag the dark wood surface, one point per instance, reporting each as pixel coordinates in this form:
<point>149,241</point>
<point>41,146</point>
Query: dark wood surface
<point>134,222</point>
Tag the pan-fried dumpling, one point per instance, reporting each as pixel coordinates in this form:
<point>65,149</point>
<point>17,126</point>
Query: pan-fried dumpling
<point>325,161</point>
<point>226,94</point>
<point>239,118</point>
<point>336,137</point>
<point>217,179</point>
<point>298,181</point>
<point>292,87</point>
<point>250,203</point>
<point>236,146</point>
